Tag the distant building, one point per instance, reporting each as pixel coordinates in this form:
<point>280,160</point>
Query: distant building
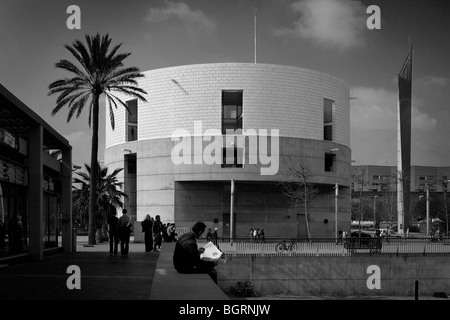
<point>378,185</point>
<point>35,187</point>
<point>310,110</point>
<point>383,178</point>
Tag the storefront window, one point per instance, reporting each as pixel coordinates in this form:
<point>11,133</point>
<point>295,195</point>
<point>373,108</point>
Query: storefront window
<point>13,219</point>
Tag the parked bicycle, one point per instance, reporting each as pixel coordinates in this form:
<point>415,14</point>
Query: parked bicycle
<point>283,246</point>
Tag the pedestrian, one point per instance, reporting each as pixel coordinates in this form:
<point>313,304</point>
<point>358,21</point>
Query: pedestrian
<point>113,231</point>
<point>216,238</point>
<point>170,232</point>
<point>251,234</point>
<point>388,233</point>
<point>258,234</point>
<point>262,236</point>
<point>147,225</point>
<point>209,236</point>
<point>125,226</point>
<point>255,234</point>
<point>157,230</point>
<point>186,257</point>
<point>340,235</point>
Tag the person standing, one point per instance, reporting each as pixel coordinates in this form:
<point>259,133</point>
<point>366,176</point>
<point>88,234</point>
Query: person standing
<point>157,230</point>
<point>216,238</point>
<point>125,232</point>
<point>209,235</point>
<point>113,231</point>
<point>147,226</point>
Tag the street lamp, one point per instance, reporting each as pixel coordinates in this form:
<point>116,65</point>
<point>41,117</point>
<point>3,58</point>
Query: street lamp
<point>445,204</point>
<point>374,210</point>
<point>428,210</point>
<point>336,194</point>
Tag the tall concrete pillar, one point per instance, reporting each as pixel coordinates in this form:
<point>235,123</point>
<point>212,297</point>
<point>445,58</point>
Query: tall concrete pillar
<point>36,192</point>
<point>66,202</point>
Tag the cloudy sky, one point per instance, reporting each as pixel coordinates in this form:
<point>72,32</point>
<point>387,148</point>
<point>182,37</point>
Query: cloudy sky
<point>325,35</point>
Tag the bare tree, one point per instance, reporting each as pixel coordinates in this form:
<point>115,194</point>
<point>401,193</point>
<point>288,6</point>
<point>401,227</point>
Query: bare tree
<point>360,181</point>
<point>297,186</point>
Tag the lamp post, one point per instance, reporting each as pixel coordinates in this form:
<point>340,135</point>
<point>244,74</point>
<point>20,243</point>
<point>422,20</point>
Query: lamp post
<point>445,204</point>
<point>374,210</point>
<point>428,210</point>
<point>336,194</point>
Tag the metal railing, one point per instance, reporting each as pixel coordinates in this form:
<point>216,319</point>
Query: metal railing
<point>330,247</point>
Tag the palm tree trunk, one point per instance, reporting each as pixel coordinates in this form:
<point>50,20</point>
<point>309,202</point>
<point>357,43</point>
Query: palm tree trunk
<point>94,172</point>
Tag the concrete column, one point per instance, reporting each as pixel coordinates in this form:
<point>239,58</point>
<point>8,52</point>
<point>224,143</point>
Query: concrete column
<point>36,193</point>
<point>66,200</point>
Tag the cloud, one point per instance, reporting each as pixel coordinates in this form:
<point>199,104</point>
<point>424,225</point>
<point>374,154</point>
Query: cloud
<point>180,11</point>
<point>373,127</point>
<point>337,23</point>
<point>376,109</point>
<point>433,81</point>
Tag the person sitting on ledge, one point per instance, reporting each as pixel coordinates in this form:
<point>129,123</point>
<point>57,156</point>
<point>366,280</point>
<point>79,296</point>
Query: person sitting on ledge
<point>186,257</point>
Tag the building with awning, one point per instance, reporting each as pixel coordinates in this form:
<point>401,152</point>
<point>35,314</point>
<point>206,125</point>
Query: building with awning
<point>35,183</point>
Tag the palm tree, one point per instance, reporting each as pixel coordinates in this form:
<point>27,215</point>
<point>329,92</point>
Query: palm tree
<point>101,73</point>
<point>108,188</point>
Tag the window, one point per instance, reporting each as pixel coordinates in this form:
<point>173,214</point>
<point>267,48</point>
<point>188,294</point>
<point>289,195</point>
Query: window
<point>132,120</point>
<point>232,157</point>
<point>231,110</point>
<point>328,119</point>
<point>132,114</point>
<point>131,163</point>
<point>329,162</point>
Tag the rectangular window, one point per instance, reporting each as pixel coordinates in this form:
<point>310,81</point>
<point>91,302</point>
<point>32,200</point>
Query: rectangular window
<point>328,133</point>
<point>327,111</point>
<point>132,116</point>
<point>329,162</point>
<point>328,119</point>
<point>132,119</point>
<point>232,157</point>
<point>231,110</point>
<point>131,164</point>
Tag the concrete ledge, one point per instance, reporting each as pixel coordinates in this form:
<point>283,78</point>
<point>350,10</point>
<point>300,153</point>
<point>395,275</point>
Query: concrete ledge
<point>168,284</point>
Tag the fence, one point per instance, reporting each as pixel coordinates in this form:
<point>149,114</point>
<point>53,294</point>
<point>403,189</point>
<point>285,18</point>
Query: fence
<point>328,247</point>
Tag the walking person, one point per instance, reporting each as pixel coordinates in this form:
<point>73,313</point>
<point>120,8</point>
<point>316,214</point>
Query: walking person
<point>216,238</point>
<point>157,230</point>
<point>147,225</point>
<point>251,234</point>
<point>340,235</point>
<point>113,231</point>
<point>209,235</point>
<point>125,226</point>
<point>262,236</point>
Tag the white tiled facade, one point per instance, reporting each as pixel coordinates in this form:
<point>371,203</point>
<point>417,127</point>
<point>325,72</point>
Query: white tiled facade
<point>274,97</point>
<point>279,97</point>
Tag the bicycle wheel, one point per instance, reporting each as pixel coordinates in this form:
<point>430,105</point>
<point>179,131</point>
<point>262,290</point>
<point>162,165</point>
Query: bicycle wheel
<point>293,247</point>
<point>279,247</point>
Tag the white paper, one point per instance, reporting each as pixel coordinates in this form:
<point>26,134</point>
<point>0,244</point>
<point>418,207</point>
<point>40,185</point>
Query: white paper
<point>211,253</point>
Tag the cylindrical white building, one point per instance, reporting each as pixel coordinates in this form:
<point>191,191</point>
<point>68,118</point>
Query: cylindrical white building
<point>176,166</point>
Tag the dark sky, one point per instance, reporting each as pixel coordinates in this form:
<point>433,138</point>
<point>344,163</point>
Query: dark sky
<point>325,35</point>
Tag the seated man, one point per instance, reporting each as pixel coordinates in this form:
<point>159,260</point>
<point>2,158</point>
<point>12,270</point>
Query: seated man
<point>186,257</point>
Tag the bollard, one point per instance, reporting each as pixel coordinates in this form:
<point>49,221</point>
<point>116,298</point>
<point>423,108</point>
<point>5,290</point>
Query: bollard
<point>416,290</point>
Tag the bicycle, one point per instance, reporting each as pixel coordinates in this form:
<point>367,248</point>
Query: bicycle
<point>283,246</point>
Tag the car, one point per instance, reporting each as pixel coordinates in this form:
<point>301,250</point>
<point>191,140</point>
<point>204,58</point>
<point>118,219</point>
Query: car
<point>355,234</point>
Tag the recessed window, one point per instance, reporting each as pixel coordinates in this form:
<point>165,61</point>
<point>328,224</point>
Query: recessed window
<point>231,110</point>
<point>328,119</point>
<point>132,120</point>
<point>329,162</point>
<point>131,164</point>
